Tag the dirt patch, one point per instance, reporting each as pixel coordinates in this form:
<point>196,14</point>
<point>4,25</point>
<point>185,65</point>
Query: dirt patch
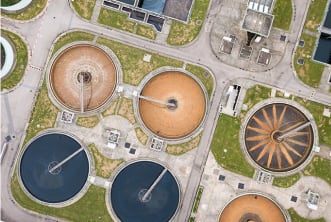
<point>184,147</point>
<point>142,137</point>
<point>88,122</point>
<point>310,24</point>
<point>104,166</point>
<point>111,109</point>
<point>126,110</point>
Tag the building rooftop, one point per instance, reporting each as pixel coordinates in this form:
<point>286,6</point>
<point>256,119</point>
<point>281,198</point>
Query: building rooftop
<point>257,22</point>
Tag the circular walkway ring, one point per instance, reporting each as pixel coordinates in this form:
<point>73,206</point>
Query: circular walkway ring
<point>18,7</point>
<point>10,60</point>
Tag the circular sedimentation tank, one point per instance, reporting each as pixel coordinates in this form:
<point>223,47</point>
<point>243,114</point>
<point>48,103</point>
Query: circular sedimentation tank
<point>252,208</point>
<point>278,137</point>
<point>83,73</point>
<point>42,176</point>
<point>185,106</point>
<point>145,191</point>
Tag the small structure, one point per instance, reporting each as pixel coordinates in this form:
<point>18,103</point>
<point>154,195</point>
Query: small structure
<point>264,177</point>
<point>147,57</point>
<point>67,116</point>
<point>245,51</point>
<point>316,149</point>
<point>264,57</point>
<point>257,22</point>
<point>312,200</point>
<point>301,43</point>
<point>157,144</point>
<point>231,100</point>
<point>282,38</point>
<point>227,44</point>
<point>113,138</point>
<point>326,112</point>
<point>258,19</point>
<point>120,89</point>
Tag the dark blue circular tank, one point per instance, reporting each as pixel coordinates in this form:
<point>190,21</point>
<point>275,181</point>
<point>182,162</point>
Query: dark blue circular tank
<point>130,185</point>
<point>58,184</point>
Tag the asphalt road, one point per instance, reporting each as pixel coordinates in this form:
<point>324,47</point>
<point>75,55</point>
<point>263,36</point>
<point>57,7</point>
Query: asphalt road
<point>58,18</point>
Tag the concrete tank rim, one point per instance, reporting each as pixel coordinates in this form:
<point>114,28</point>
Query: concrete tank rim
<point>159,71</point>
<point>296,105</point>
<point>62,50</point>
<point>74,198</point>
<point>122,166</point>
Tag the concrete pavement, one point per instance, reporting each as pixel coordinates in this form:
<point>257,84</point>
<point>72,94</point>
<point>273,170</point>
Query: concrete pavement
<point>60,18</point>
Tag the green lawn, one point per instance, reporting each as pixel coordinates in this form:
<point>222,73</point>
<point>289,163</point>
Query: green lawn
<point>181,33</point>
<point>133,67</point>
<point>91,207</point>
<point>87,121</point>
<point>310,72</point>
<point>323,123</point>
<point>120,20</point>
<point>283,14</point>
<point>181,148</point>
<point>204,76</point>
<point>17,73</point>
<point>43,115</point>
<point>226,136</point>
<point>197,199</point>
<point>296,218</point>
<point>319,167</point>
<point>286,182</point>
<point>146,31</point>
<point>141,136</point>
<point>44,112</point>
<point>32,11</point>
<point>84,8</point>
<point>103,165</point>
<point>116,19</point>
<point>315,14</point>
<point>256,94</point>
<point>72,37</point>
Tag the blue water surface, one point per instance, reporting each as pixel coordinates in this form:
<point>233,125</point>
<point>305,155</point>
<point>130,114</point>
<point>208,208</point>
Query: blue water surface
<point>156,6</point>
<point>53,188</point>
<point>136,177</point>
<point>130,2</point>
<point>323,50</point>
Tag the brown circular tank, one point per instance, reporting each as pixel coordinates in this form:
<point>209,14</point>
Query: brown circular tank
<point>185,109</point>
<point>252,208</point>
<point>278,137</point>
<point>83,68</point>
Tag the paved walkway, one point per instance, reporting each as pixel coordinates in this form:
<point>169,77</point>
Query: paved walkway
<point>96,11</point>
<point>217,193</point>
<point>99,181</point>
